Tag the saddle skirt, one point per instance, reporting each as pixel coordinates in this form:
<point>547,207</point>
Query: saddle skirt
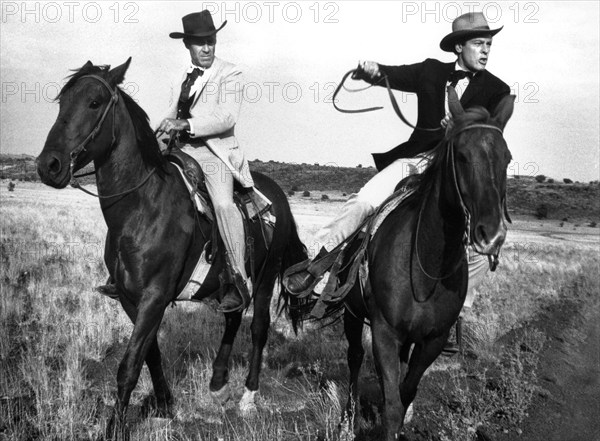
<point>254,206</point>
<point>347,263</point>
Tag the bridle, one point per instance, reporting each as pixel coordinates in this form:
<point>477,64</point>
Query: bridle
<point>114,98</point>
<point>467,240</point>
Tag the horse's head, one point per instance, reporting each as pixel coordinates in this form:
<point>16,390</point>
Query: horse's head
<point>85,127</point>
<point>480,157</point>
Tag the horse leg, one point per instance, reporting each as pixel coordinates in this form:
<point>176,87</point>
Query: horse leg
<point>386,351</point>
<point>162,392</point>
<point>421,358</point>
<point>260,330</point>
<point>219,388</point>
<point>404,357</point>
<point>149,316</point>
<point>353,328</point>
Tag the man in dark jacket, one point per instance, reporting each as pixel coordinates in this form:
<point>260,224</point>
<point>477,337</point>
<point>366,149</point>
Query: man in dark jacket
<point>470,40</point>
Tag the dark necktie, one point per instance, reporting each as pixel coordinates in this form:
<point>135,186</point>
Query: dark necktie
<point>458,75</point>
<point>188,83</point>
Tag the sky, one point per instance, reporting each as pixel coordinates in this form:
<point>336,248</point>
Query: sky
<point>294,53</point>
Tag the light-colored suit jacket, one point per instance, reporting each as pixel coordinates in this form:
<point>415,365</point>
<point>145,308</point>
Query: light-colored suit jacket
<point>214,113</point>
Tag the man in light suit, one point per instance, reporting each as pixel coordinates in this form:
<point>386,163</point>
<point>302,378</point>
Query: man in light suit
<point>203,114</point>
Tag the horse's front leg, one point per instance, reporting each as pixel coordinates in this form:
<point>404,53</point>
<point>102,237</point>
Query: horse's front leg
<point>219,388</point>
<point>353,328</point>
<point>386,351</point>
<point>149,315</point>
<point>162,392</point>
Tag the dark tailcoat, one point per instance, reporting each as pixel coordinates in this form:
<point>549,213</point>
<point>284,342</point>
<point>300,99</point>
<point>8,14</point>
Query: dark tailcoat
<point>428,80</point>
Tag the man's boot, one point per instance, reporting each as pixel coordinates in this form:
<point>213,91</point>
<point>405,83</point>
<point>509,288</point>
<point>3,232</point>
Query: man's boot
<point>237,294</point>
<point>302,280</point>
<point>451,348</point>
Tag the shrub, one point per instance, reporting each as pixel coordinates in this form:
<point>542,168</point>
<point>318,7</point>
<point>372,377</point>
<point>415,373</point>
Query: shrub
<point>295,187</point>
<point>306,193</point>
<point>291,193</point>
<point>324,197</point>
<point>11,186</point>
<point>567,181</point>
<point>592,224</point>
<point>540,178</point>
<point>550,181</point>
<point>541,212</point>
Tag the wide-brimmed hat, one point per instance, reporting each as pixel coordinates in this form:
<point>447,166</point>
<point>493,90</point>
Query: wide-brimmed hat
<point>197,24</point>
<point>465,27</point>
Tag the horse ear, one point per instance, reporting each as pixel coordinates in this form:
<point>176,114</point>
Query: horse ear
<point>117,75</point>
<point>456,108</point>
<point>504,110</point>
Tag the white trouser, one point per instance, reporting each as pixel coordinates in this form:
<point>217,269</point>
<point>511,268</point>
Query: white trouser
<point>360,205</point>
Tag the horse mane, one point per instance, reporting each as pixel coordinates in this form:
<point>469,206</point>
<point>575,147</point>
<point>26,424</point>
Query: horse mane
<point>435,158</point>
<point>145,138</point>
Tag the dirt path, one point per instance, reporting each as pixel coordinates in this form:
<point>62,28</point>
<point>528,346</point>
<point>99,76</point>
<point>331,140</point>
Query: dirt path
<point>568,409</point>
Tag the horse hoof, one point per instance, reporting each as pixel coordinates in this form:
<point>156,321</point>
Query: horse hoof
<point>222,395</point>
<point>247,404</point>
<point>346,432</point>
<point>409,414</point>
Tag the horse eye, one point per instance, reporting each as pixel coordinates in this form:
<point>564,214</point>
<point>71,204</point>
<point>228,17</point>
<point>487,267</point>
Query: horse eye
<point>94,104</point>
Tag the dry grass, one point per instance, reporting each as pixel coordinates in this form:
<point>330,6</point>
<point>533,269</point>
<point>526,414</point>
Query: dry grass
<point>60,343</point>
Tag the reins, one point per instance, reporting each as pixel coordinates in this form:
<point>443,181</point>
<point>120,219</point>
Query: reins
<point>393,100</point>
<point>467,240</point>
<point>114,98</point>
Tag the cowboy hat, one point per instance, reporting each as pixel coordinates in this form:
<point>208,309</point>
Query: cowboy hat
<point>197,24</point>
<point>465,27</point>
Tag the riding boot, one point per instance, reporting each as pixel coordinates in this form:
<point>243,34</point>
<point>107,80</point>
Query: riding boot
<point>451,348</point>
<point>237,292</point>
<point>109,290</point>
<point>302,280</point>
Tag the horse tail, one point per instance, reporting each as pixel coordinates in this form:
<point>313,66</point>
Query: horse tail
<point>295,252</point>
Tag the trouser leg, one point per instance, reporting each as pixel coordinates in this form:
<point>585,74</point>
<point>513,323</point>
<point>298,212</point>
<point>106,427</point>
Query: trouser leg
<point>219,183</point>
<point>360,205</point>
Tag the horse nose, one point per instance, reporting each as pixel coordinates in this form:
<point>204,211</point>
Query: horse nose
<point>488,238</point>
<point>54,165</point>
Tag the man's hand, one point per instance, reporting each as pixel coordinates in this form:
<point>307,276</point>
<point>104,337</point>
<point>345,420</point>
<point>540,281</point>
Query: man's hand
<point>368,70</point>
<point>169,125</point>
<point>444,123</point>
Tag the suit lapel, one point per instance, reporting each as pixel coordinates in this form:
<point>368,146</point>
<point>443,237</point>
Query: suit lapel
<point>198,88</point>
<point>475,86</point>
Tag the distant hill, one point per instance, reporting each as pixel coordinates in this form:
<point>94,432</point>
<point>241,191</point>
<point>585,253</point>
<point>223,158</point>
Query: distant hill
<point>554,200</point>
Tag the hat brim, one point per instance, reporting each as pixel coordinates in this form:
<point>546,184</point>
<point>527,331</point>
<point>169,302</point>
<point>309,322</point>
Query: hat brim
<point>448,42</point>
<point>198,35</point>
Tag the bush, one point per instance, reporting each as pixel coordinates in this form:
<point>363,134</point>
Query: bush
<point>540,178</point>
<point>567,181</point>
<point>306,193</point>
<point>11,186</point>
<point>291,193</point>
<point>592,224</point>
<point>324,197</point>
<point>295,187</point>
<point>541,212</point>
<point>550,181</point>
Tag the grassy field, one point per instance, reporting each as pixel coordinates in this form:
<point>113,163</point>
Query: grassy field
<point>60,342</point>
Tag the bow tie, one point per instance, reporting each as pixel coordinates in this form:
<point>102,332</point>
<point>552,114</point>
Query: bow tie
<point>189,81</point>
<point>458,75</point>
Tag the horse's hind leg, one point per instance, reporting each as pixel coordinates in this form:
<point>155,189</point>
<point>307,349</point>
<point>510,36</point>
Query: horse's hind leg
<point>162,392</point>
<point>353,328</point>
<point>260,330</point>
<point>219,389</point>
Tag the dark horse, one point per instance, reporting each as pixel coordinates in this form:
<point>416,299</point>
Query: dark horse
<point>418,272</point>
<point>154,234</point>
